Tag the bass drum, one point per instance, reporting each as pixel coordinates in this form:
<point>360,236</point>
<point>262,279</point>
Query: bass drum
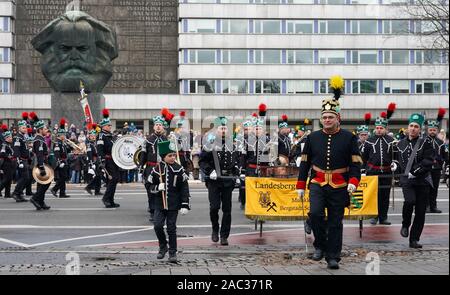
<point>124,150</point>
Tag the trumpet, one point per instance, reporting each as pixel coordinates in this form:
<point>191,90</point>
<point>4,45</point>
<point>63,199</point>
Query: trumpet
<point>74,145</point>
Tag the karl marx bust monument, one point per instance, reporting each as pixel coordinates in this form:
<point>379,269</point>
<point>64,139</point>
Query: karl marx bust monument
<point>76,47</point>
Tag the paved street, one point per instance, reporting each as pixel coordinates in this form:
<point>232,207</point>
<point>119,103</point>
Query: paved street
<point>122,241</point>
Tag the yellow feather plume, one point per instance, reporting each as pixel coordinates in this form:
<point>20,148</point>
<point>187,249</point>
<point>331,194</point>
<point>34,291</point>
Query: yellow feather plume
<point>337,82</point>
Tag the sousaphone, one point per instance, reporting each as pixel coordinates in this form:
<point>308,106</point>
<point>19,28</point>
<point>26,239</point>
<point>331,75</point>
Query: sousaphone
<point>49,175</point>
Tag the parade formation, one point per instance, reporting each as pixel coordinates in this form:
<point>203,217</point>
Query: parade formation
<point>328,162</point>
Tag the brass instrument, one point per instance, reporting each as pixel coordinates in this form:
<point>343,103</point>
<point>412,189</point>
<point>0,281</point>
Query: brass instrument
<point>74,146</point>
<point>48,178</point>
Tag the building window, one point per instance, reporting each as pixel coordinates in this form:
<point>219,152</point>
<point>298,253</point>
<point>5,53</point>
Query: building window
<point>300,1</point>
<point>267,27</point>
<point>396,2</point>
<point>332,27</point>
<point>428,56</point>
<point>201,25</point>
<point>235,26</point>
<point>300,86</point>
<point>364,86</point>
<point>4,85</point>
<point>332,56</point>
<point>364,1</point>
<point>202,56</point>
<point>235,56</point>
<point>200,1</point>
<point>300,27</point>
<point>396,86</point>
<point>300,56</point>
<point>364,57</point>
<point>428,86</point>
<point>267,56</point>
<point>396,56</point>
<point>235,86</point>
<point>396,27</point>
<point>234,1</point>
<point>5,55</point>
<point>331,2</point>
<point>268,86</point>
<point>5,24</point>
<point>201,86</point>
<point>427,27</point>
<point>364,27</point>
<point>267,1</point>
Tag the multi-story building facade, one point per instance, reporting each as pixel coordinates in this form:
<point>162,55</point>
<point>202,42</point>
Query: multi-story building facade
<point>235,54</point>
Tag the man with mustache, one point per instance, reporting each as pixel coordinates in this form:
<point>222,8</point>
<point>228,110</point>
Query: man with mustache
<point>76,47</point>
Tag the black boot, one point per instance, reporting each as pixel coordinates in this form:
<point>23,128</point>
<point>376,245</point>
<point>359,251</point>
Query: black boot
<point>224,241</point>
<point>173,257</point>
<point>414,245</point>
<point>333,264</point>
<point>215,236</point>
<point>162,252</point>
<point>318,255</point>
<point>404,232</point>
<point>54,192</point>
<point>35,204</point>
<point>432,210</point>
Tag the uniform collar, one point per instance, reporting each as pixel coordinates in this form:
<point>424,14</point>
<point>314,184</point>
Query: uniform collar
<point>332,133</point>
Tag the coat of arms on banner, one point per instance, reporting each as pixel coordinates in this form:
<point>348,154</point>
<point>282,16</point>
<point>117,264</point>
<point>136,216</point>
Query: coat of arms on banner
<point>264,199</point>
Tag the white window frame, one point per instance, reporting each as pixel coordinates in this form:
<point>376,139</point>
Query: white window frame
<point>294,54</point>
<point>223,82</point>
<point>359,26</point>
<point>227,52</point>
<point>294,22</point>
<point>262,61</point>
<point>390,57</point>
<point>326,25</point>
<point>261,21</point>
<point>422,57</point>
<point>8,82</point>
<point>196,52</point>
<point>213,21</point>
<point>291,84</point>
<point>422,82</point>
<point>262,86</point>
<point>327,57</point>
<point>359,52</point>
<point>389,82</point>
<point>227,23</point>
<point>196,86</point>
<point>359,86</point>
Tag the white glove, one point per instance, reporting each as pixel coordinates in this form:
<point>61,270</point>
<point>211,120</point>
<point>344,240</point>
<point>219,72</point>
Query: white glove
<point>301,193</point>
<point>242,176</point>
<point>351,188</point>
<point>21,166</point>
<point>394,166</point>
<point>91,171</point>
<point>410,176</point>
<point>61,165</point>
<point>161,187</point>
<point>93,167</point>
<point>184,211</point>
<point>238,181</point>
<point>213,175</point>
<point>2,172</point>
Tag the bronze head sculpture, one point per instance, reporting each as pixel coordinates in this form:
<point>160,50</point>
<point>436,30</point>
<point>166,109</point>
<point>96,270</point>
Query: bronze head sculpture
<point>76,47</point>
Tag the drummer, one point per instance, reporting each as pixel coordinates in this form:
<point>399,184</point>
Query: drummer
<point>284,142</point>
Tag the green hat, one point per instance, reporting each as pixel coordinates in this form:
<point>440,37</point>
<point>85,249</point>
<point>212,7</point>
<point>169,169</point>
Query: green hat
<point>6,132</point>
<point>220,121</point>
<point>106,121</point>
<point>182,119</point>
<point>166,147</point>
<point>417,118</point>
<point>381,121</point>
<point>247,124</point>
<point>362,129</point>
<point>283,124</point>
<point>62,127</point>
<point>23,122</point>
<point>433,124</point>
<point>436,123</point>
<point>159,120</point>
<point>300,128</point>
<point>259,122</point>
<point>37,123</point>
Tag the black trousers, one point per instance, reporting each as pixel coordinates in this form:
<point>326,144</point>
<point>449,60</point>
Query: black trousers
<point>29,184</point>
<point>416,200</point>
<point>169,218</point>
<point>39,196</point>
<point>220,196</point>
<point>436,176</point>
<point>95,183</point>
<point>61,175</point>
<point>111,183</point>
<point>9,170</point>
<point>328,231</point>
<point>384,191</point>
<point>23,180</point>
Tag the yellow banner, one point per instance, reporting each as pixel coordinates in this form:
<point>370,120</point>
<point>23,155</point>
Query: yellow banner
<point>277,199</point>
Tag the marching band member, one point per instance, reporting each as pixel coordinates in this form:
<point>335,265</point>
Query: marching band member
<point>377,153</point>
<point>241,144</point>
<point>8,162</point>
<point>22,155</point>
<point>219,163</point>
<point>441,157</point>
<point>40,150</point>
<point>61,151</point>
<point>363,133</point>
<point>284,142</point>
<point>149,155</point>
<point>183,142</point>
<point>415,156</point>
<point>29,141</point>
<point>95,181</point>
<point>104,149</point>
<point>169,183</point>
<point>333,157</point>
